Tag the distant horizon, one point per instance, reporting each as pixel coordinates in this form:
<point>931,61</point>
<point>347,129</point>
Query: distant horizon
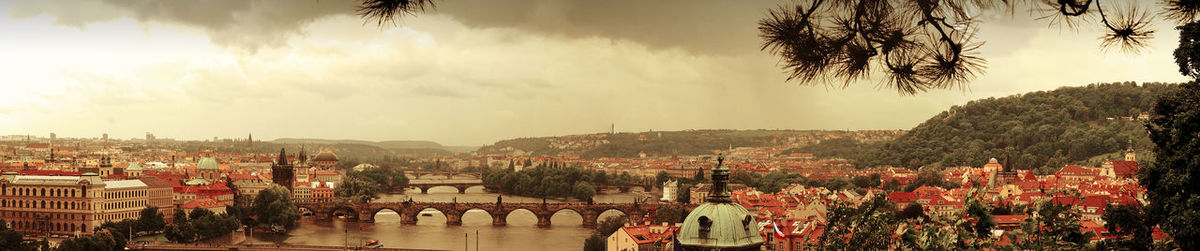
<point>98,136</point>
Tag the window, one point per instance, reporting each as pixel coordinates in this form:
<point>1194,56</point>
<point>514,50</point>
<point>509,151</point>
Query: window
<point>705,227</point>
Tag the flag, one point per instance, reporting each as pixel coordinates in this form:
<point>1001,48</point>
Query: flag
<point>778,234</point>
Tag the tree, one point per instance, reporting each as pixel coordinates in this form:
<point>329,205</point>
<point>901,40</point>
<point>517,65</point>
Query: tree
<point>866,227</point>
<point>1131,225</point>
<point>150,220</point>
<point>584,190</point>
<point>99,241</point>
<point>1171,184</point>
<point>199,213</point>
<point>357,190</point>
<point>611,224</point>
<point>684,194</point>
<point>12,240</point>
<point>179,218</point>
<point>1052,227</point>
<point>917,45</point>
<point>669,213</point>
<point>595,242</point>
<point>273,206</point>
<point>385,11</point>
<point>661,178</point>
<point>912,211</point>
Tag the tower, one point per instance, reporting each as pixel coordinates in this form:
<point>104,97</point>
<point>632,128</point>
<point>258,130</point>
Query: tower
<point>1129,154</point>
<point>282,172</point>
<point>250,140</point>
<point>719,224</point>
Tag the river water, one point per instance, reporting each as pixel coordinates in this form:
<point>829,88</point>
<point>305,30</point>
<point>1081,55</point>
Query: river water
<point>431,232</point>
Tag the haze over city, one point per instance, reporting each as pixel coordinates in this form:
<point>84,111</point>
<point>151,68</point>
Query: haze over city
<point>473,72</point>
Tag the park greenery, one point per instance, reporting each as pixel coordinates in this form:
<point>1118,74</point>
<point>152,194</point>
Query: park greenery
<point>553,180</point>
<point>274,207</point>
<point>12,240</point>
<point>365,185</point>
<point>200,224</point>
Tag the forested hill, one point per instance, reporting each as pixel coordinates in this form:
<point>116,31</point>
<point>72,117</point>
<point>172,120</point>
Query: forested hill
<point>655,143</point>
<point>1040,130</point>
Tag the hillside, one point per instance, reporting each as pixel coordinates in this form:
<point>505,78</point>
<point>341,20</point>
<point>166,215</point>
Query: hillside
<point>403,145</point>
<point>654,143</point>
<point>1040,130</point>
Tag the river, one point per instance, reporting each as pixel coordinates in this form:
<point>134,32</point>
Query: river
<point>431,232</point>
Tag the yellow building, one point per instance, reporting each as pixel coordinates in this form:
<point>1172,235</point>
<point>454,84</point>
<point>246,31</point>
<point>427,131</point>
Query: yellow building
<point>52,204</point>
<point>123,199</point>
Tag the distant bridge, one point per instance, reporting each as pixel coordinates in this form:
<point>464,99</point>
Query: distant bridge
<point>418,173</point>
<point>462,186</point>
<point>408,211</point>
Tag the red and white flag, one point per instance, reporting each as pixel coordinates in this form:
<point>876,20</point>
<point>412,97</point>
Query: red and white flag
<point>778,234</point>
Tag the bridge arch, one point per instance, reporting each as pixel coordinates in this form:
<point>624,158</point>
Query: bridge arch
<point>349,213</point>
<point>305,211</point>
<point>374,213</point>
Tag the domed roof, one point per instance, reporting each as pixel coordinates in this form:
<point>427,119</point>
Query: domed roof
<point>208,163</point>
<point>363,166</point>
<point>718,223</point>
<point>133,166</point>
<point>325,155</point>
<point>729,225</point>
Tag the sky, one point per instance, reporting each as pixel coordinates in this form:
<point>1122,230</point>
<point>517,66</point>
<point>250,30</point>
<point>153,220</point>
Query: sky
<point>474,72</point>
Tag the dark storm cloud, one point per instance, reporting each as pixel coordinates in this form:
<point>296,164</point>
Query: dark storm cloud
<point>707,26</point>
<point>696,25</point>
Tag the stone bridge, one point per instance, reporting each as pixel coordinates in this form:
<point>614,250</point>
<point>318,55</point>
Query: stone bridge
<point>624,188</point>
<point>408,211</point>
<point>460,185</point>
<point>417,173</point>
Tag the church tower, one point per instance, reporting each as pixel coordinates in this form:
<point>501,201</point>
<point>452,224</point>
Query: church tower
<point>282,172</point>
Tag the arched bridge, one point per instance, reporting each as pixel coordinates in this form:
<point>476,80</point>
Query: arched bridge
<point>461,185</point>
<point>408,211</point>
<point>418,173</point>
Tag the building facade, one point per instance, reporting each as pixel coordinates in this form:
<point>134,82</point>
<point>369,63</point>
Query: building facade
<point>123,199</point>
<point>64,205</point>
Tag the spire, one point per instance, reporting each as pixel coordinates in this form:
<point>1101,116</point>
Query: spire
<point>720,181</point>
<point>282,157</point>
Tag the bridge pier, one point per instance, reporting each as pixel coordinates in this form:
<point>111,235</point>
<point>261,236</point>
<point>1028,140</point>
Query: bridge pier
<point>453,218</point>
<point>408,218</point>
<point>589,220</point>
<point>425,190</point>
<point>461,189</point>
<point>499,220</point>
<point>543,220</point>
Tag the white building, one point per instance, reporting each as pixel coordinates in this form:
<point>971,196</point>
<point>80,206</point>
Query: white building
<point>670,190</point>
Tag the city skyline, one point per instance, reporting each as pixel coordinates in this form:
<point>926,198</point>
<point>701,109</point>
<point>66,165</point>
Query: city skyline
<point>535,68</point>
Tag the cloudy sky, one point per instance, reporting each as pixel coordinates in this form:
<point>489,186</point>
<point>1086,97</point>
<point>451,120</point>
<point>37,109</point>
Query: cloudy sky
<point>471,72</point>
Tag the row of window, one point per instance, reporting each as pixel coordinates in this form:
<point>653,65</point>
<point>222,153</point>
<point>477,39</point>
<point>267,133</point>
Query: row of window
<point>30,215</point>
<point>43,192</point>
<point>120,216</point>
<point>56,226</point>
<point>123,194</point>
<point>125,204</point>
<point>45,204</point>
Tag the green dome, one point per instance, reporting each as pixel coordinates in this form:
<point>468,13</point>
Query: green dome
<point>363,166</point>
<point>719,224</point>
<point>208,163</point>
<point>133,166</point>
<point>730,226</point>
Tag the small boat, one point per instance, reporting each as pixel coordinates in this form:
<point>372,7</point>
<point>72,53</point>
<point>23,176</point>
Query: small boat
<point>426,214</point>
<point>374,243</point>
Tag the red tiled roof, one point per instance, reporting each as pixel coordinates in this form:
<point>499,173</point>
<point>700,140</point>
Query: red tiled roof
<point>202,203</point>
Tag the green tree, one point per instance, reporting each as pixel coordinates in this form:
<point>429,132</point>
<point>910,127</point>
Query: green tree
<point>584,190</point>
<point>180,218</point>
<point>199,213</point>
<point>669,213</point>
<point>611,224</point>
<point>274,206</point>
<point>595,242</point>
<point>150,220</point>
<point>661,178</point>
<point>1052,227</point>
<point>684,194</point>
<point>1171,184</point>
<point>867,227</point>
<point>1131,225</point>
<point>357,190</point>
<point>99,241</point>
<point>913,210</point>
<point>12,240</point>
